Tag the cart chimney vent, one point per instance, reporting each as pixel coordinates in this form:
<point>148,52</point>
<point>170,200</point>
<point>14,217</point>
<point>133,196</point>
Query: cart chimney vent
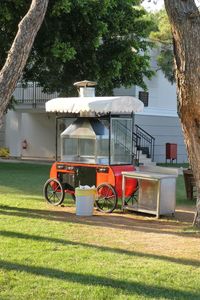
<point>86,88</point>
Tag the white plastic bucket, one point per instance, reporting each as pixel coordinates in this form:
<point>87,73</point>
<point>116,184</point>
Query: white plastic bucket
<point>85,197</point>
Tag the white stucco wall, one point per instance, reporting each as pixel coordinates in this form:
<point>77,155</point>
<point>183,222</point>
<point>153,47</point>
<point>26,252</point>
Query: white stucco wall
<point>2,134</point>
<point>162,94</point>
<point>39,131</point>
<point>165,129</point>
<point>13,133</point>
<point>125,92</point>
<point>160,118</point>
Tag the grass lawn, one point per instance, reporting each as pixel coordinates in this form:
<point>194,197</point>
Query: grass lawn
<point>49,253</point>
<point>181,198</point>
<point>180,185</point>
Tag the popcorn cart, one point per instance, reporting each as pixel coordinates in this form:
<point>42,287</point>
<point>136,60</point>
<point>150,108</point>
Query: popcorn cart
<point>94,144</point>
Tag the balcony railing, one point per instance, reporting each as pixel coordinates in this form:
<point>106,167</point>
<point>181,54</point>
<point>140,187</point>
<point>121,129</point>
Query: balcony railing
<point>32,94</point>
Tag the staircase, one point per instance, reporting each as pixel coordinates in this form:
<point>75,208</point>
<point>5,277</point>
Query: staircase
<point>143,148</point>
<point>144,160</point>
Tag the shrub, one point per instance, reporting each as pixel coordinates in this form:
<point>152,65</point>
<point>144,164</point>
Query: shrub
<point>4,152</point>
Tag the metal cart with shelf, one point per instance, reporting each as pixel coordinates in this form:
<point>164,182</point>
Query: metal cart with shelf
<point>156,190</point>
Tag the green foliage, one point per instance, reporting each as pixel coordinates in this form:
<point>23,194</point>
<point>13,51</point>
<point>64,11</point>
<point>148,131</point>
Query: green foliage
<point>61,6</point>
<point>163,31</point>
<point>104,41</point>
<point>4,152</point>
<point>11,12</point>
<point>162,35</point>
<point>63,51</point>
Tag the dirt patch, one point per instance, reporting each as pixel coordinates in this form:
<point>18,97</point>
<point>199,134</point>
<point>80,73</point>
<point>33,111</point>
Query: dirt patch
<point>169,237</point>
<point>185,214</point>
<point>182,219</point>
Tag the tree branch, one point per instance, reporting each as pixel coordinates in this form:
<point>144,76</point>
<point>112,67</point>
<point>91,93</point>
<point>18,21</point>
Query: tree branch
<point>19,51</point>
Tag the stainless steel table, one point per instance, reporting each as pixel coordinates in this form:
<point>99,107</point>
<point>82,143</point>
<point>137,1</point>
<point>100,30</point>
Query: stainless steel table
<point>156,193</point>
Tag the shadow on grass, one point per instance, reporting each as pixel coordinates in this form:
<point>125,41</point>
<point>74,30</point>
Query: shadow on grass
<point>103,220</point>
<point>18,235</point>
<point>129,287</point>
<point>117,221</point>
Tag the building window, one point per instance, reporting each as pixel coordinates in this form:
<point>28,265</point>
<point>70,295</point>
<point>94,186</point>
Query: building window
<point>144,97</point>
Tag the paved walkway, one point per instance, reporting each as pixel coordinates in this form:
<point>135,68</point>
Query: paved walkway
<point>28,161</point>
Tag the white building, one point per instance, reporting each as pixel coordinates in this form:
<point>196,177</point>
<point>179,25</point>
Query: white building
<point>30,123</point>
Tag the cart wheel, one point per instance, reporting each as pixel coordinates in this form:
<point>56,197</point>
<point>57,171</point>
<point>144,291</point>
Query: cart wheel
<point>133,199</point>
<point>106,200</point>
<point>53,192</point>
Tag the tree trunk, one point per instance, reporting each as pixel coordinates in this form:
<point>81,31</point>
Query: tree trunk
<point>19,52</point>
<point>185,23</point>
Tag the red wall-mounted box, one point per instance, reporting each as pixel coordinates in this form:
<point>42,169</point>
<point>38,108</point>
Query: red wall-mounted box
<point>171,151</point>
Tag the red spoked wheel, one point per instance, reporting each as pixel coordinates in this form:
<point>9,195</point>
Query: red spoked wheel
<point>106,199</point>
<point>133,198</point>
<point>53,191</point>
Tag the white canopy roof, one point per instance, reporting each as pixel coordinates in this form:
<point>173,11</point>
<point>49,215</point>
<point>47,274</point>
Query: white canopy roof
<point>101,105</point>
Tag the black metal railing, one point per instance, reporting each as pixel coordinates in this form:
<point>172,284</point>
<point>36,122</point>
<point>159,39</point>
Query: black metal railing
<point>147,142</point>
<point>32,93</point>
<point>136,147</point>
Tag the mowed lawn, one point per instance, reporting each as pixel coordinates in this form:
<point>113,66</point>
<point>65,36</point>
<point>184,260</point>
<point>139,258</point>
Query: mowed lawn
<point>49,253</point>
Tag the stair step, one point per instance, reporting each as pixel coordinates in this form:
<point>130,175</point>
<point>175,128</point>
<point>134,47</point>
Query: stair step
<point>144,160</point>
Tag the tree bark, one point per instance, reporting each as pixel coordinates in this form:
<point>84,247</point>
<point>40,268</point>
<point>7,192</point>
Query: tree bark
<point>19,52</point>
<point>184,17</point>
